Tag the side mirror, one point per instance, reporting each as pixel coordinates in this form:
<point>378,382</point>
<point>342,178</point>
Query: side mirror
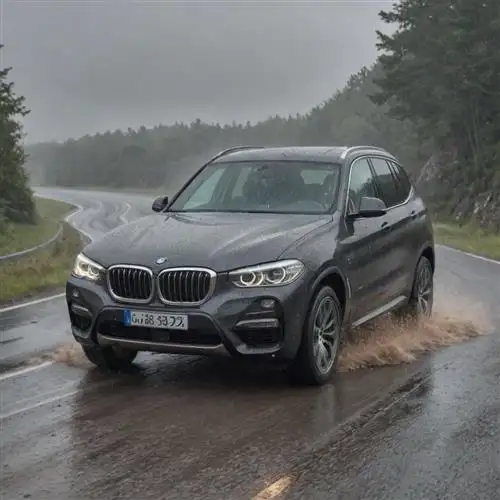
<point>160,204</point>
<point>370,207</point>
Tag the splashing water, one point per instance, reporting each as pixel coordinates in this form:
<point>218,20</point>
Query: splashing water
<point>387,341</point>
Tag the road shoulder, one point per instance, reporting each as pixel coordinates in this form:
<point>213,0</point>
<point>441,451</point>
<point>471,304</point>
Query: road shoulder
<point>43,272</point>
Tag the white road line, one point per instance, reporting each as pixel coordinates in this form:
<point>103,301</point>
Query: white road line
<point>123,217</point>
<point>74,213</point>
<point>275,489</point>
<point>129,206</point>
<point>24,371</point>
<point>68,220</point>
<point>32,302</point>
<point>42,300</point>
<point>54,399</point>
<point>480,257</point>
<point>59,295</point>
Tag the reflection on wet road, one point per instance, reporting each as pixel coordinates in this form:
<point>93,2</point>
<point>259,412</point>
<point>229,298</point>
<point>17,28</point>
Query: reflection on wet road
<point>185,427</point>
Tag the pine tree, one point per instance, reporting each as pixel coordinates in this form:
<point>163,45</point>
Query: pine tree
<point>441,69</point>
<point>16,198</point>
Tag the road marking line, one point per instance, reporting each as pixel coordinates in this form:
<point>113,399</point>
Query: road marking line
<point>480,257</point>
<point>24,371</point>
<point>35,302</point>
<point>14,413</point>
<point>80,208</point>
<point>123,217</point>
<point>74,213</point>
<point>32,303</point>
<point>275,489</point>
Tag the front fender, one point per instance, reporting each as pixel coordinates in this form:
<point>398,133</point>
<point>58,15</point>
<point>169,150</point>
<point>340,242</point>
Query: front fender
<point>324,273</point>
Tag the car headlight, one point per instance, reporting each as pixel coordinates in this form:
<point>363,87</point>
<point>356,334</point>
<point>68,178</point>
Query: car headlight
<point>277,273</point>
<point>87,268</point>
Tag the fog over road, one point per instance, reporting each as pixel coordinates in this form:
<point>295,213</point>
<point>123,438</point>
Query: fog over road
<point>187,427</point>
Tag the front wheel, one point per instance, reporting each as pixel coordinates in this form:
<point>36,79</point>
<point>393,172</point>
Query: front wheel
<point>421,299</point>
<point>321,339</point>
<point>110,358</point>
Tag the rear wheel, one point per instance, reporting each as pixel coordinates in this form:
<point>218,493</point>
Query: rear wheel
<point>110,358</point>
<point>421,300</point>
<point>321,339</point>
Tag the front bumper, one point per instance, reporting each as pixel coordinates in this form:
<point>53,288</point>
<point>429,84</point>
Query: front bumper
<point>251,323</point>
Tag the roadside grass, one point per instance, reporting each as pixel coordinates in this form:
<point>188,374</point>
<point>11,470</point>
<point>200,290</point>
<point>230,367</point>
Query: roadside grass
<point>468,238</point>
<point>21,236</point>
<point>46,269</point>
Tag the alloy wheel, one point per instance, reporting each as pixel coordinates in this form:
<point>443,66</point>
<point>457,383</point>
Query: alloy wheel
<point>424,291</point>
<point>326,334</point>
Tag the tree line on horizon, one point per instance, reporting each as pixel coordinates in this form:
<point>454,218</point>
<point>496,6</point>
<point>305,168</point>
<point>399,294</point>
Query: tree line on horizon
<point>432,98</point>
<point>167,155</point>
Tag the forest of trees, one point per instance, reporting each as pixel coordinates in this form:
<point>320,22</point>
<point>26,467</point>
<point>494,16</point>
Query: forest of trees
<point>166,155</point>
<point>432,98</point>
<point>16,201</point>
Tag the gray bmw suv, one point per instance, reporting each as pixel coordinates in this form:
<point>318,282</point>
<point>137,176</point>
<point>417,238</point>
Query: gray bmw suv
<point>265,253</point>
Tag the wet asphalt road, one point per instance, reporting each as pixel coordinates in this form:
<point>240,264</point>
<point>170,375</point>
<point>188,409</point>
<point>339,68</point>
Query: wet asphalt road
<point>186,427</point>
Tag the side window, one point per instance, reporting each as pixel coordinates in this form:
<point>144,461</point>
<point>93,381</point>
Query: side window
<point>389,189</point>
<point>402,179</point>
<point>361,184</point>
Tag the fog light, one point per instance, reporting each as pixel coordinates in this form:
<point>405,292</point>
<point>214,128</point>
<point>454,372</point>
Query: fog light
<point>267,303</point>
<point>80,310</point>
<point>75,293</point>
<point>257,324</point>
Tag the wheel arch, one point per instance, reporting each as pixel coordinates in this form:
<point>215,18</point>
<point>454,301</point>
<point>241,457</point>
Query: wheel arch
<point>428,252</point>
<point>335,279</point>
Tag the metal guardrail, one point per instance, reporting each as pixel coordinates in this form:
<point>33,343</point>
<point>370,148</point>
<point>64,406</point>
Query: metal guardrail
<point>27,251</point>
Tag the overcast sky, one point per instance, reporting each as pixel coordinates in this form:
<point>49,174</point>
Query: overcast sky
<point>87,66</point>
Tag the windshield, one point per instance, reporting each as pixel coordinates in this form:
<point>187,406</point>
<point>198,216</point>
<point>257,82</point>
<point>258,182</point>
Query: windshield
<point>261,186</point>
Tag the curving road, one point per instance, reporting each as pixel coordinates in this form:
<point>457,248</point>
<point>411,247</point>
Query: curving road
<point>185,427</point>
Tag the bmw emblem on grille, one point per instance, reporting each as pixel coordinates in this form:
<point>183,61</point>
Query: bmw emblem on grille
<point>161,260</point>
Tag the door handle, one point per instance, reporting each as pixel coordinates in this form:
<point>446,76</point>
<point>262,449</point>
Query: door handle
<point>385,227</point>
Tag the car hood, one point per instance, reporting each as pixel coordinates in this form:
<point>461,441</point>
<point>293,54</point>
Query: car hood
<point>220,241</point>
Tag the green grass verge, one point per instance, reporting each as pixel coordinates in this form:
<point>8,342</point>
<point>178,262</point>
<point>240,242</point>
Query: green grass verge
<point>468,238</point>
<point>21,236</point>
<point>46,270</point>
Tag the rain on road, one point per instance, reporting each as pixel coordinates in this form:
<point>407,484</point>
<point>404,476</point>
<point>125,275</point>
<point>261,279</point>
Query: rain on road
<point>187,427</point>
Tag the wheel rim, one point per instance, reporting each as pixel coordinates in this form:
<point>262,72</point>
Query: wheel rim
<point>424,291</point>
<point>326,329</point>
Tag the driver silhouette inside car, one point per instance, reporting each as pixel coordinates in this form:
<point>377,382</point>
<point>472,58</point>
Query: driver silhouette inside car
<point>274,187</point>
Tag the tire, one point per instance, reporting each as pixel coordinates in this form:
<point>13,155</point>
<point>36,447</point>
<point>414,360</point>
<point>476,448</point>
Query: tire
<point>307,368</point>
<point>110,358</point>
<point>421,301</point>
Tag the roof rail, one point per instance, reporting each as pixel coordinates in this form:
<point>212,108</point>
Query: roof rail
<point>233,149</point>
<point>352,149</point>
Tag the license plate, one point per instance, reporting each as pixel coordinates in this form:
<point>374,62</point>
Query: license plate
<point>155,320</point>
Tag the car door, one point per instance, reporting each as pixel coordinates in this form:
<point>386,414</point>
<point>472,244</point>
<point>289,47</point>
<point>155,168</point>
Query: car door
<point>413,213</point>
<point>359,245</point>
<point>395,231</point>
